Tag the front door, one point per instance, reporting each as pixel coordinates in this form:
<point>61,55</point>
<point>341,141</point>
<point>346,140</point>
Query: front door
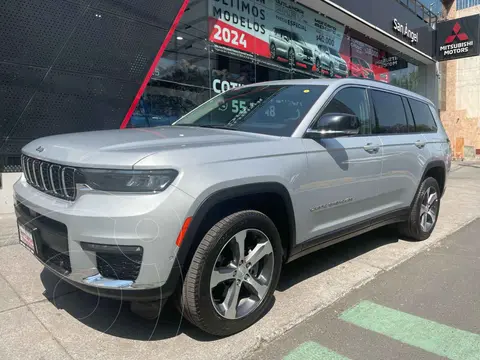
<point>343,172</point>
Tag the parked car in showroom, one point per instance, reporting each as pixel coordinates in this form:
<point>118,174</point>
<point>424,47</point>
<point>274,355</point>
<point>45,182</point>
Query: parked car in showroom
<point>206,212</point>
<point>289,45</point>
<point>360,68</point>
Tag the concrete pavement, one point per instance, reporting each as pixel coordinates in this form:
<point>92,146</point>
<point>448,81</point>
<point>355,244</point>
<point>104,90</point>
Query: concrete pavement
<point>426,308</point>
<point>41,317</point>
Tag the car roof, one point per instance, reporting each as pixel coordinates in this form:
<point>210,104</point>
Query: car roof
<point>348,81</point>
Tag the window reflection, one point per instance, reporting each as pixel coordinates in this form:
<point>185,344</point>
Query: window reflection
<point>192,69</point>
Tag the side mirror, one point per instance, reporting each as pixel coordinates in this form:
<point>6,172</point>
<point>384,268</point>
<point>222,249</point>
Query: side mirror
<point>335,125</point>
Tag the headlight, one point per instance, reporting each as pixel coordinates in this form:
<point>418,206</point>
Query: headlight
<point>126,180</point>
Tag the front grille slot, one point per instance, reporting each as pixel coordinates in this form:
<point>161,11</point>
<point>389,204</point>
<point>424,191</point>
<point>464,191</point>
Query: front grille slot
<point>119,266</point>
<point>54,179</point>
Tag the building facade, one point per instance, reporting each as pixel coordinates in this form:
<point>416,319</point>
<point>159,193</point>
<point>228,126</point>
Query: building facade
<point>460,91</point>
<point>73,65</point>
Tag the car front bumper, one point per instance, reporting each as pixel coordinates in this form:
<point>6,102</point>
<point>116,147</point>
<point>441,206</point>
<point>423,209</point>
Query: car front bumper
<point>89,242</point>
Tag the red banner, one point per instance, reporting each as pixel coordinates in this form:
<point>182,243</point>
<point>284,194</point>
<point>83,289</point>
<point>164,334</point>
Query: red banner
<point>225,34</point>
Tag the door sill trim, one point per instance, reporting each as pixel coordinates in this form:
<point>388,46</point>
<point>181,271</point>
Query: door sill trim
<point>348,232</point>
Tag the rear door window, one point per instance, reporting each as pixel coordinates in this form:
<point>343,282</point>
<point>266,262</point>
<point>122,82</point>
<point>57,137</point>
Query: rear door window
<point>424,121</point>
<point>390,115</point>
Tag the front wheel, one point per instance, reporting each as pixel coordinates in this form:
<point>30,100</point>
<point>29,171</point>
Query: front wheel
<point>424,213</point>
<point>331,70</point>
<point>233,274</point>
<point>318,65</point>
<point>291,57</point>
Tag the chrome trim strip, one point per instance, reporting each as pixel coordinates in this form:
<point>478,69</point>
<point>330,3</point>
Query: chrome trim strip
<point>64,187</point>
<point>53,181</point>
<point>34,173</point>
<point>29,176</point>
<point>100,281</point>
<point>43,177</point>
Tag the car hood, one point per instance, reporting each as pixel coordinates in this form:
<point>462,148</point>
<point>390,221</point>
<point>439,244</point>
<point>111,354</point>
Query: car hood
<point>124,148</point>
<point>339,59</point>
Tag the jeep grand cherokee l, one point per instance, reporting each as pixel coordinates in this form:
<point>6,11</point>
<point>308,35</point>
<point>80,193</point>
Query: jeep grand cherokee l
<point>208,210</point>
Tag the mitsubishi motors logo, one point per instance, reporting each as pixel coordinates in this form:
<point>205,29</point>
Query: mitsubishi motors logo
<point>458,38</point>
<point>456,35</point>
<point>456,44</point>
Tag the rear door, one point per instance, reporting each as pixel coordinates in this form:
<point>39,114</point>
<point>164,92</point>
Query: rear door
<point>341,186</point>
<point>403,150</point>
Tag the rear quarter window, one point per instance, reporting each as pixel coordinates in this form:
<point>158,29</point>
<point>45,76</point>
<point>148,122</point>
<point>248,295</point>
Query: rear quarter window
<point>423,117</point>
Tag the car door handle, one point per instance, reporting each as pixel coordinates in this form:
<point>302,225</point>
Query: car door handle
<point>371,148</point>
<point>420,144</point>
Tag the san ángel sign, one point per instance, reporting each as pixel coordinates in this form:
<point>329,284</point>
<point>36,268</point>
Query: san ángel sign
<point>405,31</point>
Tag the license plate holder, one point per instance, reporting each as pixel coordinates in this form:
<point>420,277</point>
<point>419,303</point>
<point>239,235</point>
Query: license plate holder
<point>26,238</point>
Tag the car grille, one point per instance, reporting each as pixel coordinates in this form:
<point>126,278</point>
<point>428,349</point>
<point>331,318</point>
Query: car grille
<point>342,67</point>
<point>119,266</point>
<point>56,180</point>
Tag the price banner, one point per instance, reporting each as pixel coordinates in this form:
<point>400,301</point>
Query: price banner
<point>280,30</point>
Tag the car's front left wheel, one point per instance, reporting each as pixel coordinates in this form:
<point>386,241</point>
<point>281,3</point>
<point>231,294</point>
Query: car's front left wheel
<point>233,274</point>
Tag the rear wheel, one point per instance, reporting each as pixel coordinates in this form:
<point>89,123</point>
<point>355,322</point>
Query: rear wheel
<point>273,51</point>
<point>424,213</point>
<point>233,274</point>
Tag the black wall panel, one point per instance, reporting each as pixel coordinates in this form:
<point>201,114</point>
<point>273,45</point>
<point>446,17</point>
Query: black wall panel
<point>33,32</point>
<point>113,46</point>
<point>69,102</point>
<point>17,86</point>
<point>73,65</point>
<point>156,12</point>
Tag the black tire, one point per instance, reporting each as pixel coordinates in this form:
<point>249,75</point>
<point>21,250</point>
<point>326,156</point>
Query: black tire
<point>411,229</point>
<point>318,64</point>
<point>331,72</point>
<point>273,51</point>
<point>291,57</point>
<point>195,298</point>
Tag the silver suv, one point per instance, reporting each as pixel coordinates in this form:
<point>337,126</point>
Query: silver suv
<point>208,210</point>
<point>291,46</point>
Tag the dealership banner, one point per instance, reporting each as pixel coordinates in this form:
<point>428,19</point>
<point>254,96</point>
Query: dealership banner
<point>277,29</point>
<point>458,38</point>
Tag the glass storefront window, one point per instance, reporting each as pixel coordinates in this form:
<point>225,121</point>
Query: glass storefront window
<point>225,47</point>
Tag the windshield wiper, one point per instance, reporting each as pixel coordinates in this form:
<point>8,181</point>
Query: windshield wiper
<point>217,127</point>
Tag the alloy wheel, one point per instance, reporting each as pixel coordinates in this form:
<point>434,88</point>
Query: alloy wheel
<point>273,52</point>
<point>242,274</point>
<point>429,210</point>
<point>291,57</point>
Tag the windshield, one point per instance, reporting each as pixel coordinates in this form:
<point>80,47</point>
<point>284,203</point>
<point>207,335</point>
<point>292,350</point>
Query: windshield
<point>268,109</point>
<point>297,38</point>
<point>334,52</point>
<point>364,64</point>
